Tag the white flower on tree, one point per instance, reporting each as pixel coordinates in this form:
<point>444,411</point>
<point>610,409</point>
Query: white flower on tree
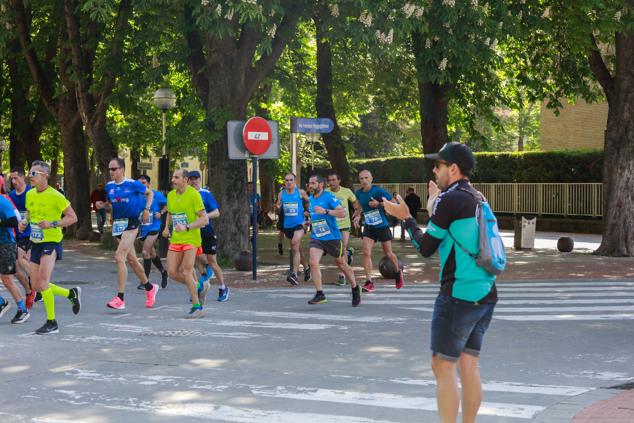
<point>271,31</point>
<point>443,64</point>
<point>334,10</point>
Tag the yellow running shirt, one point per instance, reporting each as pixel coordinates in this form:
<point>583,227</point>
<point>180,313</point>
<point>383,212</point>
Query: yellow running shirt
<point>183,208</point>
<point>344,195</point>
<point>46,205</point>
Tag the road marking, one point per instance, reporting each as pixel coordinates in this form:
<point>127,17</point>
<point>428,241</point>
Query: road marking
<point>521,388</point>
<point>565,317</point>
<point>550,309</point>
<point>316,316</point>
<point>268,325</point>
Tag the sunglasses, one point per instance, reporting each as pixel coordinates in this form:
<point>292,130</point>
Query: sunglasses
<point>112,169</point>
<point>289,180</point>
<point>34,173</point>
<point>441,163</point>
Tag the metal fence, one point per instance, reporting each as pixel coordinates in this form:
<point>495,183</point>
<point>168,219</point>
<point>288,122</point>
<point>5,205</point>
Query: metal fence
<point>578,199</point>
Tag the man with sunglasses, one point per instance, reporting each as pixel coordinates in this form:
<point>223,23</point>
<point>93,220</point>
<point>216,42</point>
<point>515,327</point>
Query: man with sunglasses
<point>44,207</point>
<point>375,227</point>
<point>130,202</point>
<point>150,232</point>
<point>464,306</point>
<point>293,201</point>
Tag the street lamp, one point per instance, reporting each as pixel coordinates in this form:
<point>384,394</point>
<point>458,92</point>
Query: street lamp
<point>164,99</point>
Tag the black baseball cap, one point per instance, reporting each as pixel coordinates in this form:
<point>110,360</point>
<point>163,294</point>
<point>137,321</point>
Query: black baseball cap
<point>193,174</point>
<point>455,153</point>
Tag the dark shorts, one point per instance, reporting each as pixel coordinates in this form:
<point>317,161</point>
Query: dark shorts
<point>290,232</point>
<point>151,233</point>
<point>377,234</point>
<point>458,326</point>
<point>24,244</point>
<point>8,258</point>
<point>133,223</point>
<point>210,242</point>
<point>332,247</point>
<point>39,249</point>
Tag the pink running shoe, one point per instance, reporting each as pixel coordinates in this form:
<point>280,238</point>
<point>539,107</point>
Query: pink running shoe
<point>150,296</point>
<point>399,280</point>
<point>116,303</point>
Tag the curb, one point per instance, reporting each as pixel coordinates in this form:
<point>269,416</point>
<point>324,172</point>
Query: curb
<point>564,411</point>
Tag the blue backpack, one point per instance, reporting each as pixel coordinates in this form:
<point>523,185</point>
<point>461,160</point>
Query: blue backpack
<point>491,255</point>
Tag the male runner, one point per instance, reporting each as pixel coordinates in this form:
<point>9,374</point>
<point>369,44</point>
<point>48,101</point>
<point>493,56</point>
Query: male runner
<point>125,199</point>
<point>375,228</point>
<point>325,238</point>
<point>150,232</point>
<point>186,213</point>
<point>293,201</point>
<point>18,197</point>
<point>208,236</point>
<point>45,205</point>
<point>345,196</point>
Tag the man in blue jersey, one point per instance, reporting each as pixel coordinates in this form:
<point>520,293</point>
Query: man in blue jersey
<point>325,238</point>
<point>150,232</point>
<point>464,307</point>
<point>130,202</point>
<point>209,239</point>
<point>375,228</point>
<point>18,196</point>
<point>293,201</point>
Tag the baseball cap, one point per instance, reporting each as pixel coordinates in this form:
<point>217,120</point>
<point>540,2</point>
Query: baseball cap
<point>193,174</point>
<point>455,153</point>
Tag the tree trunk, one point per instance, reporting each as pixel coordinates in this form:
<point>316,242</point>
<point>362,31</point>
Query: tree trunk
<point>54,171</point>
<point>102,144</point>
<point>434,108</point>
<point>325,107</point>
<point>135,158</point>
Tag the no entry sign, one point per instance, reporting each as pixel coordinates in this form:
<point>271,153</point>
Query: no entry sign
<point>257,135</point>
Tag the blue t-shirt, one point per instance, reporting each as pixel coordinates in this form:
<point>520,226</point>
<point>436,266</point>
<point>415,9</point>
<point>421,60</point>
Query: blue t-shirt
<point>210,205</point>
<point>127,198</point>
<point>324,226</point>
<point>158,202</point>
<point>373,218</point>
<point>293,207</point>
<point>20,204</point>
<point>7,211</point>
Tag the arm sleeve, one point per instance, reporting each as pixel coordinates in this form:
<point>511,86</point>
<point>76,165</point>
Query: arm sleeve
<point>423,241</point>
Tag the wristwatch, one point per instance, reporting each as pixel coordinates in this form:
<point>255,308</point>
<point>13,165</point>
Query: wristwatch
<point>55,224</point>
<point>187,226</point>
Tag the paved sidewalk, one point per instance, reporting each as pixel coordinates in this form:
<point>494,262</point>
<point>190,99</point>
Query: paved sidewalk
<point>617,409</point>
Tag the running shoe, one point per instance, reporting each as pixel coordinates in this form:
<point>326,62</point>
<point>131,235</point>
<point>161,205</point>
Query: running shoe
<point>141,286</point>
<point>210,272</point>
<point>223,294</point>
<point>21,317</point>
<point>164,279</point>
<point>4,307</point>
<point>203,289</point>
<point>307,276</point>
<point>341,280</point>
<point>75,298</point>
<point>30,299</point>
<point>202,279</point>
<point>399,280</point>
<point>38,297</point>
<point>350,256</point>
<point>319,298</point>
<point>356,296</point>
<point>368,286</point>
<point>116,303</point>
<point>292,278</point>
<point>150,296</point>
<point>196,312</point>
<point>280,250</point>
<point>48,328</point>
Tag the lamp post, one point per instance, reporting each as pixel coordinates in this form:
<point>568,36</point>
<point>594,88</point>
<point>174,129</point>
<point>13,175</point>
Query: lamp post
<point>164,99</point>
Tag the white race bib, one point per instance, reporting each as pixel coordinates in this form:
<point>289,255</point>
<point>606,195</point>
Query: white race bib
<point>373,218</point>
<point>149,221</point>
<point>119,226</point>
<point>37,233</point>
<point>291,209</point>
<point>320,228</point>
<point>179,219</point>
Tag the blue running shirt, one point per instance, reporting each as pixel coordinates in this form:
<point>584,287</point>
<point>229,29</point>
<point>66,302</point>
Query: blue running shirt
<point>373,218</point>
<point>210,205</point>
<point>324,226</point>
<point>293,207</point>
<point>20,204</point>
<point>7,211</point>
<point>127,198</point>
<point>158,202</point>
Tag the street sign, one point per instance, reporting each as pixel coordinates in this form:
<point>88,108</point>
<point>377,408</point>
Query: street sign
<point>236,148</point>
<point>315,126</point>
<point>257,135</point>
<point>144,166</point>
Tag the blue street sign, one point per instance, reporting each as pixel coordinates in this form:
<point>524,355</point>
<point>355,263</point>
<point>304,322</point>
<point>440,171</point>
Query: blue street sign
<point>308,126</point>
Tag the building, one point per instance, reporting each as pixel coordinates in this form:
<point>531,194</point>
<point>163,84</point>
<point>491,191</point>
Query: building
<point>579,126</point>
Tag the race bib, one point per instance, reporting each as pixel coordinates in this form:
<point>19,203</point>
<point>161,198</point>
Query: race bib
<point>149,221</point>
<point>23,215</point>
<point>37,233</point>
<point>179,218</point>
<point>291,209</point>
<point>320,228</point>
<point>373,218</point>
<point>118,226</point>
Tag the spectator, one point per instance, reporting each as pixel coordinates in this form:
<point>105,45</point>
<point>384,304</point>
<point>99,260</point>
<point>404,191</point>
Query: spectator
<point>99,194</point>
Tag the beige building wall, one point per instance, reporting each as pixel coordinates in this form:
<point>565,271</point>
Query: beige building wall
<point>578,126</point>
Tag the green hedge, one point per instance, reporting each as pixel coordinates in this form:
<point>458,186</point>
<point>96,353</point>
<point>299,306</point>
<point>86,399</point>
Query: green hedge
<point>531,166</point>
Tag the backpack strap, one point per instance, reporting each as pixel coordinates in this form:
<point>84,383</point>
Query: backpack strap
<point>478,200</point>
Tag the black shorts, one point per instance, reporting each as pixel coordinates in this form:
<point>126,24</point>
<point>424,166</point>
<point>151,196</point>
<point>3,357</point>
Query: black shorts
<point>24,244</point>
<point>133,223</point>
<point>332,247</point>
<point>290,232</point>
<point>39,249</point>
<point>382,234</point>
<point>8,258</point>
<point>151,233</point>
<point>210,242</point>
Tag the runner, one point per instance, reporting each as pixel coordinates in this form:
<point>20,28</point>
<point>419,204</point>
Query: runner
<point>345,196</point>
<point>290,201</point>
<point>208,236</point>
<point>18,197</point>
<point>45,206</point>
<point>150,232</point>
<point>186,212</point>
<point>375,227</point>
<point>125,199</point>
<point>325,238</point>
<point>9,220</point>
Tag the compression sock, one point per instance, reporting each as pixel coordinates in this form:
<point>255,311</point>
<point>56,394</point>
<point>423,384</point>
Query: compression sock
<point>49,303</point>
<point>157,262</point>
<point>147,266</point>
<point>59,291</point>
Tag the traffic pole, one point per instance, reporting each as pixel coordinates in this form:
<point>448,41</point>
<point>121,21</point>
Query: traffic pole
<point>254,217</point>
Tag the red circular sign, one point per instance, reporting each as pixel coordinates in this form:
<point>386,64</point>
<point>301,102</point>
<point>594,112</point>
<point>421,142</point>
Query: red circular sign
<point>257,135</point>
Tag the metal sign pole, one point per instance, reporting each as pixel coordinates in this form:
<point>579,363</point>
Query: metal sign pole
<point>254,203</point>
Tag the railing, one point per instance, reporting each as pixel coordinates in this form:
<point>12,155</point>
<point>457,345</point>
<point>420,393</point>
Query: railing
<point>575,199</point>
